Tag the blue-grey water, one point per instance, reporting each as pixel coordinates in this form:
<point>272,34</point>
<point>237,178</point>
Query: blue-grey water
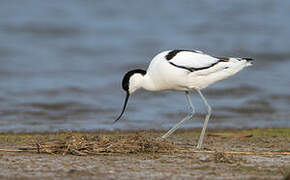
<point>62,62</point>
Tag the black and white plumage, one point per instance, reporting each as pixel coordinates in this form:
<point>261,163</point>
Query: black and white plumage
<point>182,70</point>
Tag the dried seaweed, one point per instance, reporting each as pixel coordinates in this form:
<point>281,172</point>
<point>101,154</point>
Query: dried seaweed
<point>90,145</point>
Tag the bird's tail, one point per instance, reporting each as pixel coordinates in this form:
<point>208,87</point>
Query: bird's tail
<point>248,61</point>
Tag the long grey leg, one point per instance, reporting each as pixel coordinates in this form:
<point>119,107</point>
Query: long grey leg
<point>205,121</point>
<point>183,120</point>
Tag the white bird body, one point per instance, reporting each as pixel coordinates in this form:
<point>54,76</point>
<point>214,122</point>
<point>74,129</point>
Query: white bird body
<point>163,75</point>
<point>182,70</point>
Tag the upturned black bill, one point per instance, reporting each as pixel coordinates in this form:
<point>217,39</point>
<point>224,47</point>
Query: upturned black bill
<point>124,107</point>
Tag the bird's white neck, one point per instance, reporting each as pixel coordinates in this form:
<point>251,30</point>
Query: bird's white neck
<point>147,83</point>
<point>141,81</point>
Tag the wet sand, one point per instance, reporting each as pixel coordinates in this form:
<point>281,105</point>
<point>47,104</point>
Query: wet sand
<point>141,155</point>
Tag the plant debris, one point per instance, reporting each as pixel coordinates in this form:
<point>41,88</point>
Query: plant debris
<point>90,145</point>
<point>230,135</point>
<point>220,157</point>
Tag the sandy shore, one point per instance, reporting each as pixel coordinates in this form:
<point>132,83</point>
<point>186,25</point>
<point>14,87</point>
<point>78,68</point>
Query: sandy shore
<point>141,155</point>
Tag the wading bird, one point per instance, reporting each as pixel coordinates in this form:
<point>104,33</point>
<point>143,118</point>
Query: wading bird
<point>182,70</point>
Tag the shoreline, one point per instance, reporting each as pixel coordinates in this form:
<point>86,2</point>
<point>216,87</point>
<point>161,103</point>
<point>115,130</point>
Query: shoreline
<point>142,155</point>
<point>182,129</point>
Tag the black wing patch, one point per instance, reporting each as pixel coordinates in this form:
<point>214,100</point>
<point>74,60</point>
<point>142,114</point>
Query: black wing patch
<point>183,67</point>
<point>173,53</point>
<point>248,59</point>
<point>191,69</point>
<point>223,59</point>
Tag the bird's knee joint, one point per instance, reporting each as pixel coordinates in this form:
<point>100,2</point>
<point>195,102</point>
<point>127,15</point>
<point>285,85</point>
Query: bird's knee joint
<point>209,110</point>
<point>191,114</point>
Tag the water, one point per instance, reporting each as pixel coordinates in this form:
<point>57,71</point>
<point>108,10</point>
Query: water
<point>62,62</point>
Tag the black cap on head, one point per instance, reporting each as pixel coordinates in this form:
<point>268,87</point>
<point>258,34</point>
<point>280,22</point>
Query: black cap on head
<point>125,85</point>
<point>126,79</point>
